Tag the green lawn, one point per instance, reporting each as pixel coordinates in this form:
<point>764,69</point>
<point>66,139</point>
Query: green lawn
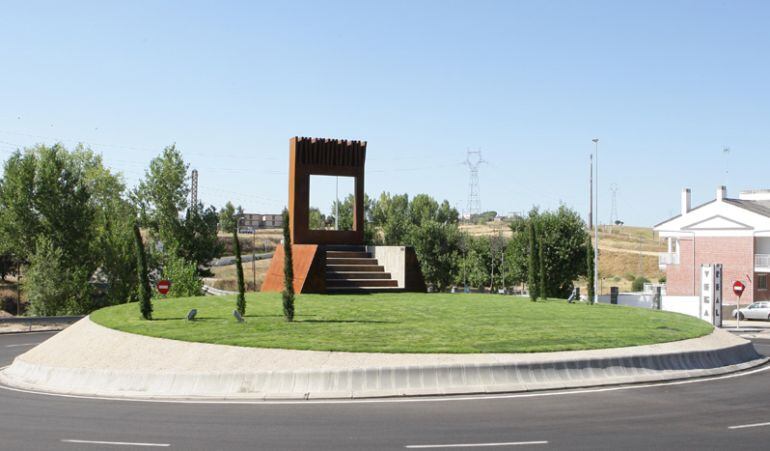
<point>407,322</point>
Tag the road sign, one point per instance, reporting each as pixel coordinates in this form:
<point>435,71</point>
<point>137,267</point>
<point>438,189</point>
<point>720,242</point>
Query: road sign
<point>738,288</point>
<point>164,286</point>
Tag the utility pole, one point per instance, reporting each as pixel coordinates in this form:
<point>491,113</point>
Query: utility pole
<point>254,258</point>
<point>474,196</point>
<point>596,225</point>
<point>337,205</point>
<point>194,189</point>
<point>591,195</point>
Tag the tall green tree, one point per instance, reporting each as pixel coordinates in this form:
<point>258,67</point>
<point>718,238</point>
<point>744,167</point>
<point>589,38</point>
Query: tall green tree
<point>198,241</point>
<point>227,218</point>
<point>162,195</point>
<point>541,251</point>
<point>563,240</point>
<point>288,271</point>
<point>45,199</point>
<point>533,263</point>
<point>316,219</point>
<point>145,293</point>
<point>161,198</point>
<point>438,249</point>
<point>52,287</point>
<point>241,301</point>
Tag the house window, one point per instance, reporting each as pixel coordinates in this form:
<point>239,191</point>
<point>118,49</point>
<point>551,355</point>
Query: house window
<point>762,281</point>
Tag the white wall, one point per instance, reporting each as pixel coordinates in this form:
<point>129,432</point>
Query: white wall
<point>393,260</point>
<point>630,299</point>
<point>688,305</point>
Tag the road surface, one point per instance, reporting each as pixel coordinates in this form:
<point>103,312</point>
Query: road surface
<point>723,413</point>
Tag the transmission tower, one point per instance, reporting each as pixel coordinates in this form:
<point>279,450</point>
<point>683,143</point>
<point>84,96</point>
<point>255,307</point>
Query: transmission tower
<point>473,160</point>
<point>614,210</point>
<point>194,188</point>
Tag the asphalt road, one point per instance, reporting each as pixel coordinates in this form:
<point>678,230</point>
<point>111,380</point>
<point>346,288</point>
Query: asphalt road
<point>679,416</point>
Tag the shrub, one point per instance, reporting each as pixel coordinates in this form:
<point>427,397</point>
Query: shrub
<point>630,277</point>
<point>184,278</point>
<point>638,283</point>
<point>662,279</point>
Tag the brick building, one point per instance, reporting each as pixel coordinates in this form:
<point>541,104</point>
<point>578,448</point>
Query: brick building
<point>733,232</point>
<point>252,221</point>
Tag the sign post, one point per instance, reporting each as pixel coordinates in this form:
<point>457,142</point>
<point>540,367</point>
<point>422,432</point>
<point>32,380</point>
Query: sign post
<point>163,286</point>
<point>711,294</point>
<point>738,289</point>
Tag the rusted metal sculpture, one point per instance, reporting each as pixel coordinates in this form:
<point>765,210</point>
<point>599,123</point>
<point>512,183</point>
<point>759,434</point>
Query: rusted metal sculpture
<point>315,156</point>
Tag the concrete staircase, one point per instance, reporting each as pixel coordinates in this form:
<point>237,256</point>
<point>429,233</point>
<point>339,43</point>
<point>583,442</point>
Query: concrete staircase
<point>350,269</point>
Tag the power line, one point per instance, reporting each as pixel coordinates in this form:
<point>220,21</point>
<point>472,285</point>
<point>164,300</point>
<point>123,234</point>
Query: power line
<point>474,193</point>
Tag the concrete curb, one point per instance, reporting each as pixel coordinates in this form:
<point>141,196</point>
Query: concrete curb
<point>520,373</point>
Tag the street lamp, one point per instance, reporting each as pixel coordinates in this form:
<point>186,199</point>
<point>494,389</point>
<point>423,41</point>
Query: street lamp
<point>596,222</point>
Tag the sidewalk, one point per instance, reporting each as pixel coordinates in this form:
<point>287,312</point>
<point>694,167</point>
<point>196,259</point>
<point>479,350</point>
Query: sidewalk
<point>749,328</point>
<point>88,359</point>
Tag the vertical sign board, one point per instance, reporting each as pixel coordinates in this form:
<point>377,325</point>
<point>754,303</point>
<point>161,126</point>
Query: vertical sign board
<point>711,294</point>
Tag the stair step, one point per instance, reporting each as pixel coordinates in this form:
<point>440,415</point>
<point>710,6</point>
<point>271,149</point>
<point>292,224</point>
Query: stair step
<point>337,275</point>
<point>351,261</point>
<point>345,247</point>
<point>347,254</point>
<point>354,290</point>
<point>354,268</point>
<point>360,283</point>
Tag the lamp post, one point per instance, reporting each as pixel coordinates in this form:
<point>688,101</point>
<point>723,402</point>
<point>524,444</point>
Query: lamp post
<point>596,222</point>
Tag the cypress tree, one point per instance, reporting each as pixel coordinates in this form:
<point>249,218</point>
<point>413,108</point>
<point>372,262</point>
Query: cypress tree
<point>241,304</point>
<point>145,295</point>
<point>541,263</point>
<point>589,269</point>
<point>288,271</point>
<point>532,266</point>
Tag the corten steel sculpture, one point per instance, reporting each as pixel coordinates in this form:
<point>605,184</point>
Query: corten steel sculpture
<point>327,261</point>
<point>312,156</point>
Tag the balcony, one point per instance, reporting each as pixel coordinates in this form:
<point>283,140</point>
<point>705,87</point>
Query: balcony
<point>762,262</point>
<point>667,258</point>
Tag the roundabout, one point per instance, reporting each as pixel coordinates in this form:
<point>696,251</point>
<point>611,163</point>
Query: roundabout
<point>90,359</point>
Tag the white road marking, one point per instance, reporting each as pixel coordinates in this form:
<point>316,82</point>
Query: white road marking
<point>100,442</point>
<point>477,445</point>
<point>761,369</point>
<point>744,426</point>
<point>21,344</point>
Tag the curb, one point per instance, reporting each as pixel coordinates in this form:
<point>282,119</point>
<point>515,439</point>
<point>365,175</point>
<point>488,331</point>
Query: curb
<point>359,384</point>
<point>656,363</point>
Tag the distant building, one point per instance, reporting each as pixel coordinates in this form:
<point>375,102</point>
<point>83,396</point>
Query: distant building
<point>733,232</point>
<point>254,221</point>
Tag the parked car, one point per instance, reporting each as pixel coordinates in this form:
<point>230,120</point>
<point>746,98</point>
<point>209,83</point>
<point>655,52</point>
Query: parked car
<point>757,310</point>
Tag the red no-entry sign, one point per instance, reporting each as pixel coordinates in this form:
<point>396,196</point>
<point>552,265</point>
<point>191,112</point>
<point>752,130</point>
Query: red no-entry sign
<point>738,288</point>
<point>164,286</point>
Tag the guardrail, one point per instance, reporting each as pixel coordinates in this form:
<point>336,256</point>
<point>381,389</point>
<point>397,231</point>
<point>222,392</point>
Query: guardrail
<point>40,320</point>
<point>668,258</point>
<point>211,291</point>
<point>227,261</point>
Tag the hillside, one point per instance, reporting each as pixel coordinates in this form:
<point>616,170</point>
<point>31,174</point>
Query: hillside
<point>625,252</point>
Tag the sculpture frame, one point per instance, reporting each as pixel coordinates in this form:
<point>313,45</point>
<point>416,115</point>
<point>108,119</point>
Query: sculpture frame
<point>332,157</point>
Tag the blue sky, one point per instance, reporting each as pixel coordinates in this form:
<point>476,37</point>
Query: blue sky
<point>664,85</point>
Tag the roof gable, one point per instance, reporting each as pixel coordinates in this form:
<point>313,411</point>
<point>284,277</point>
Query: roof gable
<point>717,222</point>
